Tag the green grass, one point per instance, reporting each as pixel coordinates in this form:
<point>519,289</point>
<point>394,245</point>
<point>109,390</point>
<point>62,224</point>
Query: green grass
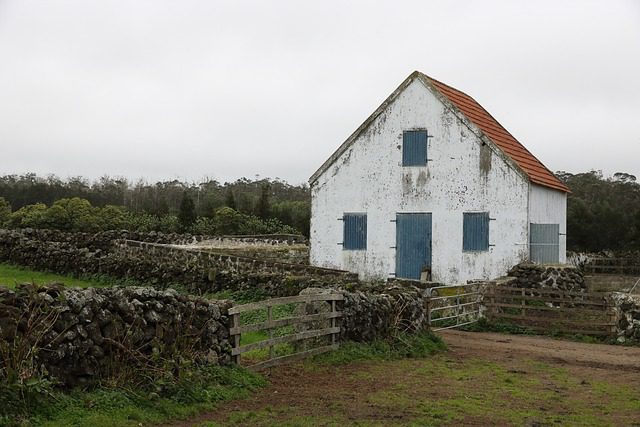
<point>445,391</point>
<point>11,275</point>
<point>122,408</point>
<point>402,346</point>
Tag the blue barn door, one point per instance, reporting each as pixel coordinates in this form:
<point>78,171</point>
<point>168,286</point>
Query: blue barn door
<point>413,244</point>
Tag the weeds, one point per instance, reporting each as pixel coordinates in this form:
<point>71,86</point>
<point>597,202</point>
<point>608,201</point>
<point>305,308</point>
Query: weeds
<point>198,390</point>
<point>22,381</point>
<point>401,346</point>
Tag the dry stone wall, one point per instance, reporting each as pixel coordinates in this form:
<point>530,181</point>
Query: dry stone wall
<point>628,315</point>
<point>212,271</point>
<point>374,313</point>
<point>564,277</point>
<point>156,261</point>
<point>82,335</point>
<point>368,316</point>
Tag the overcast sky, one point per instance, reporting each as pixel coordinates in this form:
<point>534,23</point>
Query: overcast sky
<point>225,89</point>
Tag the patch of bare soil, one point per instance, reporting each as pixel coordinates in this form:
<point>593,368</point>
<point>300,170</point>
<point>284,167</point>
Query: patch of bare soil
<point>484,379</point>
<point>499,347</point>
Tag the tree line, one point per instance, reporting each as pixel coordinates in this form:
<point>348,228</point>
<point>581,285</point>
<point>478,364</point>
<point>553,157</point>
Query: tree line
<point>241,207</point>
<point>602,212</point>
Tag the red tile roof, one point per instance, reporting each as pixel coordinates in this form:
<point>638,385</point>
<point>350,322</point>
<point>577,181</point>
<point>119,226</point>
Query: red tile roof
<point>529,164</point>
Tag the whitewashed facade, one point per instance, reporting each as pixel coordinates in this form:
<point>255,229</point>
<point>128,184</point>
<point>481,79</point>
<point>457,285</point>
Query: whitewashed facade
<point>465,172</point>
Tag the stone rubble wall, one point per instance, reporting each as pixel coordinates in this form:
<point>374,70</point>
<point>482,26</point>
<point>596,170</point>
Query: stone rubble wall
<point>82,335</point>
<point>212,271</point>
<point>372,314</point>
<point>563,277</point>
<point>158,262</point>
<point>627,309</point>
<point>368,316</point>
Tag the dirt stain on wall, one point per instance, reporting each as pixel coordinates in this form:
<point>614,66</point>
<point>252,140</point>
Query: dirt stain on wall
<point>485,159</point>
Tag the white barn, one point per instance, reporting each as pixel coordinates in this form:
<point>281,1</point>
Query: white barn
<point>432,186</point>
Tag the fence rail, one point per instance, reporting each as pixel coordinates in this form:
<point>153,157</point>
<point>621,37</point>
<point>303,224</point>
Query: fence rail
<point>270,324</point>
<point>547,309</point>
<point>603,265</point>
<point>453,306</point>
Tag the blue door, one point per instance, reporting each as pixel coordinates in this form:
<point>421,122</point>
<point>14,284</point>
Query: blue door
<point>413,244</point>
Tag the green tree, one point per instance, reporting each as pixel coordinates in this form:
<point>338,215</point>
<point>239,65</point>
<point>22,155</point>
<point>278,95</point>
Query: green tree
<point>227,221</point>
<point>5,211</point>
<point>187,215</point>
<point>263,206</point>
<point>230,200</point>
<point>73,214</point>
<point>602,212</point>
<point>30,216</point>
<point>110,218</point>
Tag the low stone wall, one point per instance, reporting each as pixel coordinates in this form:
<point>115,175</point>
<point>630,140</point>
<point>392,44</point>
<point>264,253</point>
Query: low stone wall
<point>204,270</point>
<point>564,277</point>
<point>368,316</point>
<point>82,335</point>
<point>627,309</point>
<point>159,264</point>
<point>373,314</point>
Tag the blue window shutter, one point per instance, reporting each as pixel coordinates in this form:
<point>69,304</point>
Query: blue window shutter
<point>414,148</point>
<point>475,231</point>
<point>355,231</point>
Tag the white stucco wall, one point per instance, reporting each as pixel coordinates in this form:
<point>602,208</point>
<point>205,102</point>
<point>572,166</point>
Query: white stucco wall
<point>461,176</point>
<point>547,206</point>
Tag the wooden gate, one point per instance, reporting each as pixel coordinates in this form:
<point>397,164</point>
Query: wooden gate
<point>320,323</point>
<point>551,310</point>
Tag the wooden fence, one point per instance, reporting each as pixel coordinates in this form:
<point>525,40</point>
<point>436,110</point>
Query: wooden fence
<point>271,324</point>
<point>551,310</point>
<point>604,265</point>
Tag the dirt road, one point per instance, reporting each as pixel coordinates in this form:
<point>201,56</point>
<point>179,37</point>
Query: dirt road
<point>500,346</point>
<point>483,379</point>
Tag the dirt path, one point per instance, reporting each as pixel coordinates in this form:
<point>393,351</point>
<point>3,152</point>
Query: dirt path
<point>484,379</point>
<point>499,346</point>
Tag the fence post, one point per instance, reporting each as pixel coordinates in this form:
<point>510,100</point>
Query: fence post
<point>458,308</point>
<point>333,321</point>
<point>427,304</point>
<point>522,310</point>
<point>270,331</point>
<point>612,314</point>
<point>493,311</point>
<point>236,337</point>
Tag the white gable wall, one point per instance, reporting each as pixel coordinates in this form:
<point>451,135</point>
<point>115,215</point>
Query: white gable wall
<point>547,206</point>
<point>461,176</point>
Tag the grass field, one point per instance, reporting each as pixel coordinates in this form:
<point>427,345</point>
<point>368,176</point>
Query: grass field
<point>507,384</point>
<point>10,275</point>
<point>120,407</point>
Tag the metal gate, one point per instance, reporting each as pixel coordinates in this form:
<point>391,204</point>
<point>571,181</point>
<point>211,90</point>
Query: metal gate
<point>413,245</point>
<point>452,306</point>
